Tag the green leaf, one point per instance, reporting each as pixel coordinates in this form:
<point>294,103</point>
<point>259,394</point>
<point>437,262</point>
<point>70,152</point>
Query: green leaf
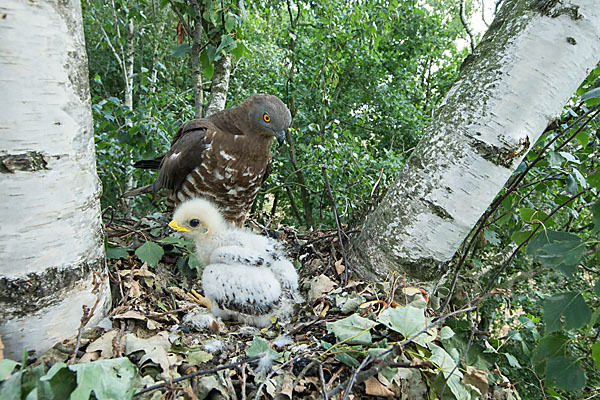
<point>443,360</point>
<point>150,252</point>
<point>491,236</point>
<point>520,236</point>
<point>557,250</point>
<point>227,44</point>
<point>341,355</point>
<point>592,94</point>
<point>596,353</point>
<point>565,373</point>
<point>534,217</point>
<point>107,379</point>
<point>549,347</point>
<point>197,357</point>
<point>260,346</point>
<point>116,253</point>
<point>230,22</point>
<point>240,50</point>
<point>58,383</point>
<point>353,329</point>
<point>181,51</point>
<point>594,179</point>
<point>512,360</point>
<point>565,310</point>
<point>6,368</point>
<point>11,388</point>
<point>596,212</point>
<point>597,288</point>
<point>408,321</point>
<point>583,138</point>
<point>571,185</point>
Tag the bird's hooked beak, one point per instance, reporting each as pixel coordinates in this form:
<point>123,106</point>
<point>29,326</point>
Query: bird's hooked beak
<point>178,228</point>
<point>280,136</point>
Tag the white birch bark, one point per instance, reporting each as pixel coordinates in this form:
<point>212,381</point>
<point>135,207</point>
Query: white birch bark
<point>220,85</point>
<point>51,241</point>
<point>526,68</point>
<point>197,69</point>
<point>128,67</point>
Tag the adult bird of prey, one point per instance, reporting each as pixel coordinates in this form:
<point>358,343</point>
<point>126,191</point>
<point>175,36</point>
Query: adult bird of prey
<point>224,157</point>
<point>246,276</point>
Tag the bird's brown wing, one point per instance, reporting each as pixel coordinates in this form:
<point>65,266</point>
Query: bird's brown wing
<point>184,155</point>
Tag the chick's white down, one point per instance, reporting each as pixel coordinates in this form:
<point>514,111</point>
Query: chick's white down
<point>246,275</point>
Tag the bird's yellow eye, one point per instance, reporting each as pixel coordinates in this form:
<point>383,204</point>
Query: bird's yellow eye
<point>267,117</point>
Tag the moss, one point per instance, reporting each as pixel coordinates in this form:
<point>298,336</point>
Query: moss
<point>23,296</point>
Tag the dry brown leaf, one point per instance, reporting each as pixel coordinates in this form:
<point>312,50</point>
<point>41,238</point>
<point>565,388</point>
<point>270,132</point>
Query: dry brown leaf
<point>144,272</point>
<point>180,34</point>
<point>178,292</point>
<point>1,349</point>
<point>478,378</point>
<point>339,267</point>
<point>156,349</point>
<point>319,286</point>
<point>131,314</point>
<point>374,388</point>
<point>104,344</point>
<point>135,290</point>
<point>287,386</point>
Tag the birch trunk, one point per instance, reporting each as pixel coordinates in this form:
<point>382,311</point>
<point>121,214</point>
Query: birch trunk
<point>128,67</point>
<point>197,69</point>
<point>526,68</point>
<point>51,243</point>
<point>220,85</point>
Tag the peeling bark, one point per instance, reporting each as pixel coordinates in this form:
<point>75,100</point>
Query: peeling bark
<point>528,65</point>
<point>220,85</point>
<point>51,242</point>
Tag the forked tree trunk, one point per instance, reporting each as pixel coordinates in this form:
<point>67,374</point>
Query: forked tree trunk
<point>51,243</point>
<point>220,85</point>
<point>528,65</point>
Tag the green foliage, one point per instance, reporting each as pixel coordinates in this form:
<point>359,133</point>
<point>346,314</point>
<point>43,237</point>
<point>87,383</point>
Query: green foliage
<point>150,253</point>
<point>352,330</point>
<point>104,380</point>
<point>260,347</point>
<point>552,212</point>
<point>565,311</point>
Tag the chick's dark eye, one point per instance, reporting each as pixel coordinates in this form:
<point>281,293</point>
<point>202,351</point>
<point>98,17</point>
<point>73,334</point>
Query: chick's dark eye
<point>267,117</point>
<point>194,223</point>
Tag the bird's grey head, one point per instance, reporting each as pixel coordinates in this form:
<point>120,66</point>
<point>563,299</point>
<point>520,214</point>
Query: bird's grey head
<point>269,116</point>
<point>197,219</point>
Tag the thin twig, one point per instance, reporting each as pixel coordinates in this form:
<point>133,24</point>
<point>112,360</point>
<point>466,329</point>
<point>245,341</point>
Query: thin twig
<point>88,314</point>
<point>339,225</point>
<point>353,377</point>
<point>322,378</point>
<point>197,373</point>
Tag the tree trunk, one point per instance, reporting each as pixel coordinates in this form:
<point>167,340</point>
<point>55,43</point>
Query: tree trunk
<point>526,68</point>
<point>51,242</point>
<point>128,67</point>
<point>197,69</point>
<point>220,85</point>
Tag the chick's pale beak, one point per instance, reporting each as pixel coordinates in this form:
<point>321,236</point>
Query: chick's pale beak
<point>176,227</point>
